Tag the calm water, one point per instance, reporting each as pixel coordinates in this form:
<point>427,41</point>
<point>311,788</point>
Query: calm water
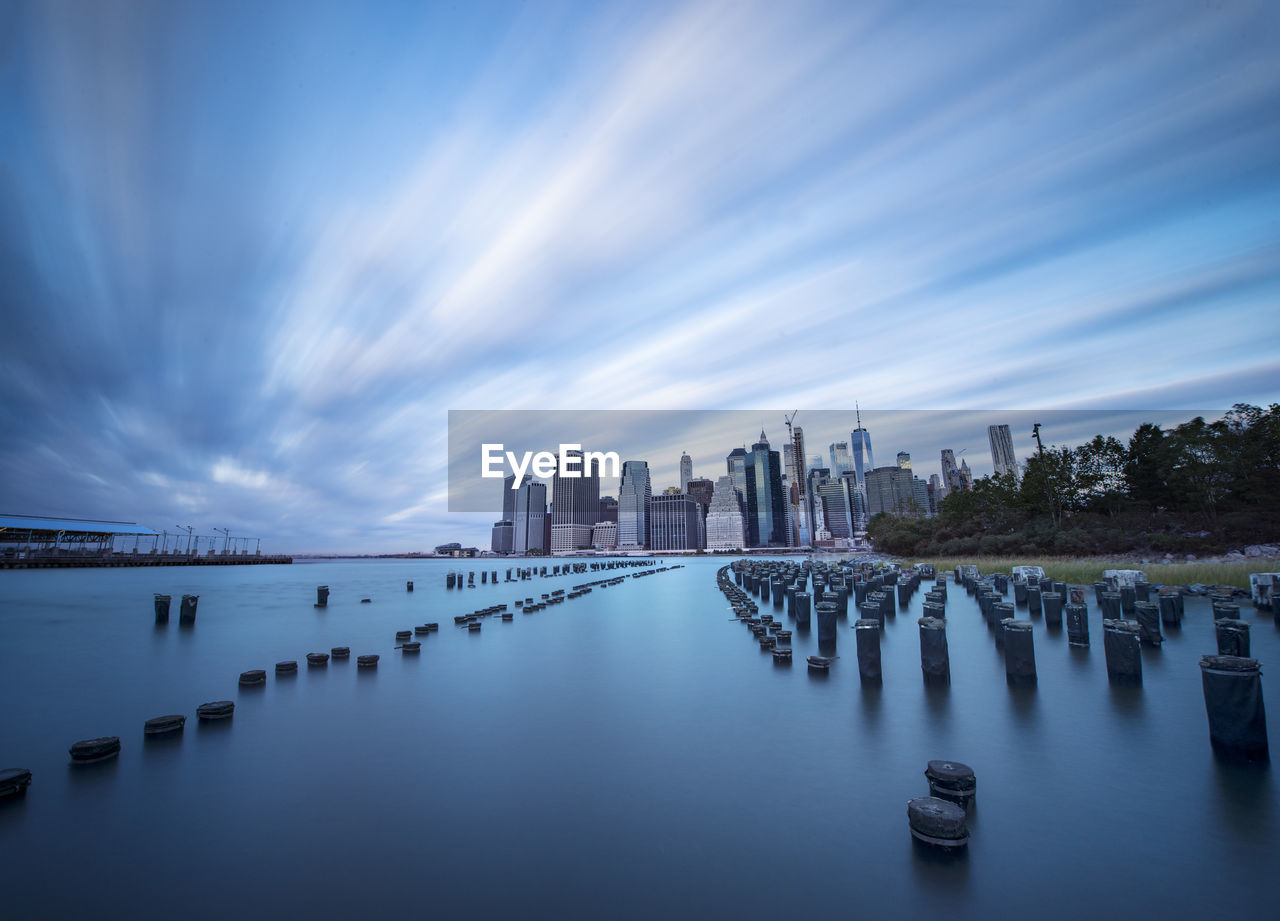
<point>628,754</point>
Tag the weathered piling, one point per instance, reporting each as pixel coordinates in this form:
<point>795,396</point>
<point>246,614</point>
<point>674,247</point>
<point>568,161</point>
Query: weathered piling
<point>904,594</point>
<point>87,751</point>
<point>187,612</point>
<point>484,577</point>
<point>1019,652</point>
<point>289,667</point>
<point>1233,637</point>
<point>1225,609</point>
<point>341,652</point>
<point>253,677</point>
<point>1052,604</point>
<point>1000,612</point>
<point>216,710</point>
<point>1170,608</point>
<point>1098,589</point>
<point>1147,614</point>
<point>1033,599</point>
<point>162,608</point>
<point>937,822</point>
<point>826,611</point>
<point>764,589</point>
<point>450,580</point>
<point>1019,591</point>
<point>1075,594</point>
<point>1142,591</point>
<point>790,592</point>
<point>1077,625</point>
<point>777,591</point>
<point>408,586</point>
<point>322,596</point>
<point>1124,657</point>
<point>1233,701</point>
<point>1128,597</point>
<point>802,608</point>
<point>860,589</point>
<point>952,781</point>
<point>867,633</point>
<point>935,662</point>
<point>934,609</point>
<point>317,659</point>
<point>14,781</point>
<point>163,725</point>
<point>1111,606</point>
<point>1060,588</point>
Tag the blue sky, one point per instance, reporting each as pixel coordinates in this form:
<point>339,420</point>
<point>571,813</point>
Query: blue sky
<point>253,253</point>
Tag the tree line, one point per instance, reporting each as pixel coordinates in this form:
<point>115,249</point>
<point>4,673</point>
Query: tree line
<point>1198,487</point>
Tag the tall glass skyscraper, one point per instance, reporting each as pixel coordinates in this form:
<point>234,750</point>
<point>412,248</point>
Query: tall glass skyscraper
<point>686,472</point>
<point>530,518</point>
<point>736,464</point>
<point>634,497</point>
<point>840,459</point>
<point>860,450</point>
<point>766,508</point>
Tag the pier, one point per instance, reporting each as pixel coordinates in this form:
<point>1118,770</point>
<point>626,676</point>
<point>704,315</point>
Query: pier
<point>34,542</point>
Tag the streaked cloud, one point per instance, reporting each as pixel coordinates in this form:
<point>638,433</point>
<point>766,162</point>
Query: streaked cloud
<point>253,255</point>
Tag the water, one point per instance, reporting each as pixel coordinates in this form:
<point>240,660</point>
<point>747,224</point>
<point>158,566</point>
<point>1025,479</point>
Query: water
<point>628,754</point>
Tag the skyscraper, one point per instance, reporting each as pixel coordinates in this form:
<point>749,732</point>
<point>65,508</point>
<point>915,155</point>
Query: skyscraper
<point>904,460</point>
<point>726,517</point>
<point>890,490</point>
<point>634,497</point>
<point>686,471</point>
<point>736,464</point>
<point>502,539</point>
<point>766,509</point>
<point>840,459</point>
<point>530,518</point>
<point>509,490</point>
<point>951,479</point>
<point>799,533</point>
<point>1002,457</point>
<point>575,505</point>
<point>860,449</point>
<point>675,523</point>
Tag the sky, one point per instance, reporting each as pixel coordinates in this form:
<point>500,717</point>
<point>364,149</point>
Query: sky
<point>252,254</point>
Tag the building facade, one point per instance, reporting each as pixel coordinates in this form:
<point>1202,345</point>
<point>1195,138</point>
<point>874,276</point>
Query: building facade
<point>890,491</point>
<point>634,497</point>
<point>1002,457</point>
<point>766,508</point>
<point>530,522</point>
<point>674,523</point>
<point>726,526</point>
<point>575,505</point>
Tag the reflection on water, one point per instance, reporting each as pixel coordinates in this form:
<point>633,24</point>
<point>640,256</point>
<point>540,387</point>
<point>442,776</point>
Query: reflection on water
<point>1245,796</point>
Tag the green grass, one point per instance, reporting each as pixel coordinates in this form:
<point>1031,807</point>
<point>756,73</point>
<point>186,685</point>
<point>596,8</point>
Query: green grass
<point>1087,570</point>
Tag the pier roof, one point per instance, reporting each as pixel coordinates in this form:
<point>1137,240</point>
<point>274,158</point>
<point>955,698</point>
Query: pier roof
<point>17,527</point>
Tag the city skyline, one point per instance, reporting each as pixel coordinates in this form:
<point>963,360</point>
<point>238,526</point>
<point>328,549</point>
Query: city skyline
<point>254,256</point>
